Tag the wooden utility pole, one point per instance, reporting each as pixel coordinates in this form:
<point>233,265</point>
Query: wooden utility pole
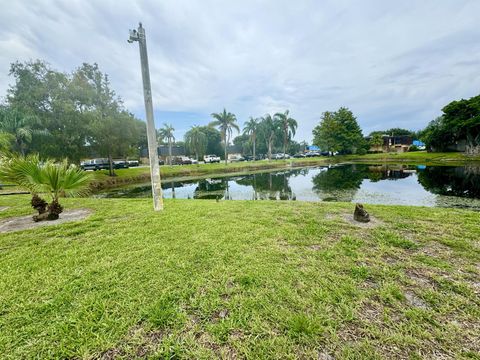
<point>139,35</point>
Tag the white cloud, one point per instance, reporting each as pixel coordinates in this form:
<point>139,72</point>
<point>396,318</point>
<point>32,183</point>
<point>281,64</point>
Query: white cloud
<point>393,63</point>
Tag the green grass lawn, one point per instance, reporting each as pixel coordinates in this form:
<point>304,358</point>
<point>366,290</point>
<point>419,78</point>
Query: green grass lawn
<point>241,279</point>
<point>416,157</point>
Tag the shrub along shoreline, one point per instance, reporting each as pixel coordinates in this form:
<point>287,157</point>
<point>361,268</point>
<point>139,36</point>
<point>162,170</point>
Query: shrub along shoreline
<point>141,175</point>
<point>240,279</point>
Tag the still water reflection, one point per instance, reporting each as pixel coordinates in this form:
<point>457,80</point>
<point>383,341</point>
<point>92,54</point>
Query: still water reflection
<point>375,184</point>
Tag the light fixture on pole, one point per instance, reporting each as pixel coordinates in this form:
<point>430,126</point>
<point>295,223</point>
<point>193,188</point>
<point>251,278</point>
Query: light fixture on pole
<point>139,35</point>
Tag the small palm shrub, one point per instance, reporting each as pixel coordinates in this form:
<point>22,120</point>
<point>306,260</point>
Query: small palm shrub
<point>21,171</point>
<point>51,178</point>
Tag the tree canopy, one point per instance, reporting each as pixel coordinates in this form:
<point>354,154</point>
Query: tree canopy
<point>73,115</point>
<point>460,121</point>
<point>339,131</point>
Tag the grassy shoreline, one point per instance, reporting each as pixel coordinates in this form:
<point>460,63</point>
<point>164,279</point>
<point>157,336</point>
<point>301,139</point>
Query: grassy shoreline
<point>241,279</point>
<point>139,175</point>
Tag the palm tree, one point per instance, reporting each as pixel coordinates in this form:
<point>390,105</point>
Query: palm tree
<point>20,127</point>
<point>288,125</point>
<point>251,128</point>
<point>269,127</point>
<point>166,133</point>
<point>48,177</point>
<point>196,140</point>
<point>226,122</point>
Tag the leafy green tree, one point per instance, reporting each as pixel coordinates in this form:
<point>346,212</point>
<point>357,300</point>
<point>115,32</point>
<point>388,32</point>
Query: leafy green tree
<point>214,140</point>
<point>294,147</point>
<point>339,131</point>
<point>288,125</point>
<point>226,122</point>
<point>460,121</point>
<point>53,98</point>
<point>326,134</point>
<point>270,129</point>
<point>251,129</point>
<point>166,134</point>
<point>376,141</point>
<point>114,135</point>
<point>196,141</point>
<point>244,143</point>
<point>19,128</point>
<point>437,136</point>
<point>78,110</point>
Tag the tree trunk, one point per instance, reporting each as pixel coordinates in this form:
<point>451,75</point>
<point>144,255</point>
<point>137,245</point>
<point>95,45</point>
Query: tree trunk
<point>111,170</point>
<point>270,148</point>
<point>226,145</point>
<point>169,151</point>
<point>254,138</point>
<point>285,143</point>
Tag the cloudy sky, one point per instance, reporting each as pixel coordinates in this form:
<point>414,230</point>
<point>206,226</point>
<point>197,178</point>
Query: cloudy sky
<point>393,63</point>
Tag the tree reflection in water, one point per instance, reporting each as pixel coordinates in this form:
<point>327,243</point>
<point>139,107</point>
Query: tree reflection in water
<point>332,183</point>
<point>461,181</point>
<point>341,183</point>
<point>211,189</point>
<point>271,186</point>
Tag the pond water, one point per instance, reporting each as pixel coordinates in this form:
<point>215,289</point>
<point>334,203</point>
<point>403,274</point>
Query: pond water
<point>444,186</point>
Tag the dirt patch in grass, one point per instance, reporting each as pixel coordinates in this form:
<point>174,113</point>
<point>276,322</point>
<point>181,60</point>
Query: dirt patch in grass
<point>420,278</point>
<point>414,300</point>
<point>3,208</point>
<point>26,222</point>
<point>137,344</point>
<point>219,315</point>
<point>373,223</point>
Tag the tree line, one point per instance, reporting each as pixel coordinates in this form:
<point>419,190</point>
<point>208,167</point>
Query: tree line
<point>458,128</point>
<point>78,115</point>
<point>67,115</point>
<point>265,134</point>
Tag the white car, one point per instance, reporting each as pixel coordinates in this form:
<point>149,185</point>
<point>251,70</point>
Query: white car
<point>236,158</point>
<point>194,161</point>
<point>211,159</point>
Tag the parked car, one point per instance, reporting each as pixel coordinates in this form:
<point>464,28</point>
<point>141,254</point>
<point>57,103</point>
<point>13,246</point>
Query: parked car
<point>133,163</point>
<point>299,155</point>
<point>211,159</point>
<point>194,161</point>
<point>236,158</point>
<point>95,164</point>
<point>181,160</point>
<point>312,154</point>
<point>278,156</point>
<point>250,157</point>
<point>120,164</point>
<point>161,162</point>
<point>325,153</point>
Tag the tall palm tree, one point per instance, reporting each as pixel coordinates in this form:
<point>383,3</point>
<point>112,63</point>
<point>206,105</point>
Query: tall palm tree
<point>289,126</point>
<point>20,127</point>
<point>251,128</point>
<point>226,122</point>
<point>166,133</point>
<point>269,128</point>
<point>196,140</point>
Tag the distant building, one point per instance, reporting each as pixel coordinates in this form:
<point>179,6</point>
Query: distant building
<point>177,150</point>
<point>399,143</point>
